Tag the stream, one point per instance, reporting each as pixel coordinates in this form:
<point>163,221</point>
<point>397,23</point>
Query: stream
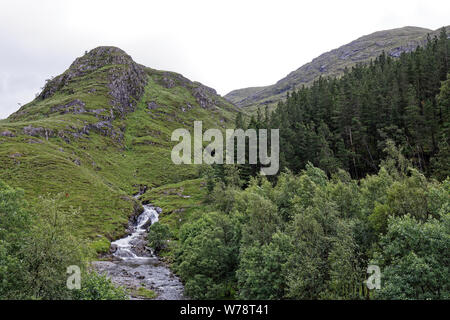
<point>134,265</point>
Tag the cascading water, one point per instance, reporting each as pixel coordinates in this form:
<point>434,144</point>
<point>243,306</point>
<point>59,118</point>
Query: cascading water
<point>134,265</point>
<point>124,246</point>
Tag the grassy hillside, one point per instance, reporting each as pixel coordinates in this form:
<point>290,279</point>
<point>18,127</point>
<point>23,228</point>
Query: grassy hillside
<point>333,64</point>
<point>99,132</point>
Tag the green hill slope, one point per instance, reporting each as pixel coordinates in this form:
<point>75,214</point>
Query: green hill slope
<point>99,132</point>
<point>334,62</point>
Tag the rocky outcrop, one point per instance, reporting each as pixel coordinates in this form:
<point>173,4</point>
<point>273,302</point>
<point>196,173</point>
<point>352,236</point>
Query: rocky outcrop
<point>187,107</point>
<point>76,107</point>
<point>203,95</point>
<point>7,133</point>
<point>397,52</point>
<point>126,87</point>
<point>98,111</point>
<point>172,79</point>
<point>152,105</point>
<point>168,82</point>
<point>127,79</point>
<point>38,132</point>
<point>103,127</point>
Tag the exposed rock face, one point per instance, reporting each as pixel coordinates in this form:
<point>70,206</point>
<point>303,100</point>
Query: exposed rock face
<point>38,132</point>
<point>76,107</point>
<point>203,96</point>
<point>397,52</point>
<point>127,79</point>
<point>168,82</point>
<point>127,87</point>
<point>31,131</point>
<point>103,127</point>
<point>7,133</point>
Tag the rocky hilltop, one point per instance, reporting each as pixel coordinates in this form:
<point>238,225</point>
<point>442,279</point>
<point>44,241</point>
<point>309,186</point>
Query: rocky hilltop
<point>333,63</point>
<point>103,85</point>
<point>127,79</point>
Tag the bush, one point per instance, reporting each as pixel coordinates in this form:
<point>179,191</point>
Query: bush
<point>414,259</point>
<point>98,287</point>
<point>36,247</point>
<point>158,235</point>
<point>208,256</point>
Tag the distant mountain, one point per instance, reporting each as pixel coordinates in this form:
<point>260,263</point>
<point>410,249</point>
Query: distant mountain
<point>102,130</point>
<point>333,63</point>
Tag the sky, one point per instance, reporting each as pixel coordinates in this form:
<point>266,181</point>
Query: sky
<point>227,45</point>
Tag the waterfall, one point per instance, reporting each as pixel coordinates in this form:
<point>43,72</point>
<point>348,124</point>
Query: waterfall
<point>125,245</point>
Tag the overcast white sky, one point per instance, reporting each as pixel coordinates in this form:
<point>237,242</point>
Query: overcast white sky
<point>226,45</point>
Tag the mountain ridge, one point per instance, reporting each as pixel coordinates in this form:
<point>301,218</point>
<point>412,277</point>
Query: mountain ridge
<point>333,63</point>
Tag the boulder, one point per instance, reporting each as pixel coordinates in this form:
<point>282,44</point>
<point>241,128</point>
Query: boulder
<point>113,248</point>
<point>7,133</point>
<point>139,248</point>
<point>152,105</point>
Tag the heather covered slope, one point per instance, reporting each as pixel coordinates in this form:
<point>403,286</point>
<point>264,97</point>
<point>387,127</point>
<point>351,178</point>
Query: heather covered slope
<point>99,132</point>
<point>334,63</point>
